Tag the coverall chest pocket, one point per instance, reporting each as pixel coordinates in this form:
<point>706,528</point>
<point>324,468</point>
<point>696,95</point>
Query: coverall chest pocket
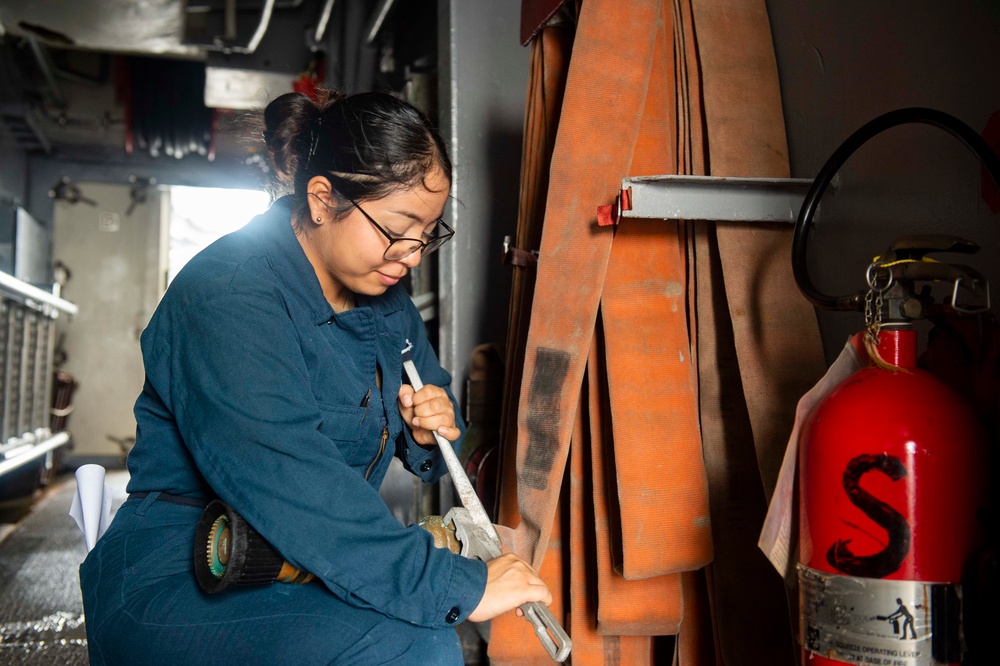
<point>345,426</point>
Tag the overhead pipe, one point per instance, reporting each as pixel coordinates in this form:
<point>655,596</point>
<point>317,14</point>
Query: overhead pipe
<point>42,58</point>
<point>324,18</point>
<point>378,20</point>
<point>265,20</point>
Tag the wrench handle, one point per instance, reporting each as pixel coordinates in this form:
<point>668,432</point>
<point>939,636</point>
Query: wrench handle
<point>470,500</point>
<point>553,637</point>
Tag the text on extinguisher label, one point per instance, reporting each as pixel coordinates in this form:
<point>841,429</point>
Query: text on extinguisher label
<point>866,621</point>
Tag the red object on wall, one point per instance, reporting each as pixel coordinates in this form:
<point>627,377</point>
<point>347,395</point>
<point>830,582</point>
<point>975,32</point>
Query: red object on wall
<point>992,135</point>
<point>309,81</point>
<point>892,471</point>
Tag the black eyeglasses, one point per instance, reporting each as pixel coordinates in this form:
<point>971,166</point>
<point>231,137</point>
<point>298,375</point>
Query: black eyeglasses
<point>401,248</point>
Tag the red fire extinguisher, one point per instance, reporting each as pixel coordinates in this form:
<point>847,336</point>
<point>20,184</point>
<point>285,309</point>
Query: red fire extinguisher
<point>893,463</point>
<point>893,468</point>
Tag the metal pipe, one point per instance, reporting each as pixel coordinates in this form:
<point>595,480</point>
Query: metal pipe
<point>37,451</point>
<point>32,123</point>
<point>229,20</point>
<point>375,27</point>
<point>265,19</point>
<point>7,350</point>
<point>42,57</point>
<point>324,18</point>
<point>23,290</point>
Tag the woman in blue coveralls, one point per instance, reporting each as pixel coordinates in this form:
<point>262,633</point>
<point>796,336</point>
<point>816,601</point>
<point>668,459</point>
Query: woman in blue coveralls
<point>274,383</point>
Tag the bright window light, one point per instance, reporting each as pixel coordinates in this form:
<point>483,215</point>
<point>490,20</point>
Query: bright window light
<point>201,215</point>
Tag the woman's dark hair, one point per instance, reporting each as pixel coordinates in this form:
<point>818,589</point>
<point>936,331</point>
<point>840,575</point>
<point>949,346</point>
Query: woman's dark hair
<point>368,145</point>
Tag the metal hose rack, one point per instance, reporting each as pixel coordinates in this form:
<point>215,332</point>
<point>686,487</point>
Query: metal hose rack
<point>27,337</point>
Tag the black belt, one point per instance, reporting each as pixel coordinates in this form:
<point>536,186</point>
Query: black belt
<point>172,499</point>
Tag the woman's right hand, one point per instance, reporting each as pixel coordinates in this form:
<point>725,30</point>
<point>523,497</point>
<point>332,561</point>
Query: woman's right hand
<point>510,582</point>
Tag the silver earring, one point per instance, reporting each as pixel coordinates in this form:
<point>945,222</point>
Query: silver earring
<point>319,219</point>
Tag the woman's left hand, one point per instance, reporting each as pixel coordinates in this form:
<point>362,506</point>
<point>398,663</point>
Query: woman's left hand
<point>427,411</point>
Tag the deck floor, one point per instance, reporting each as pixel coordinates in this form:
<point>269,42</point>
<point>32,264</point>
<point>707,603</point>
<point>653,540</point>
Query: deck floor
<point>41,548</point>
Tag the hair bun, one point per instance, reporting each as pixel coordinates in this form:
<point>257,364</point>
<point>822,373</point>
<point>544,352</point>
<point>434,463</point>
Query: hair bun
<point>286,118</point>
<point>325,98</point>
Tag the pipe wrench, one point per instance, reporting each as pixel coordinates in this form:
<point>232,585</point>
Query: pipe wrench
<point>479,537</point>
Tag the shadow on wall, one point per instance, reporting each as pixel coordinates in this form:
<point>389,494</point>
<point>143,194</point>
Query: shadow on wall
<point>501,213</point>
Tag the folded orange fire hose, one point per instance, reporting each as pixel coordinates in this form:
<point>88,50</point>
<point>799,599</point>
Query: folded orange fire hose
<point>596,648</point>
<point>696,644</point>
<point>597,128</point>
<point>612,55</point>
<point>657,599</point>
<point>652,384</point>
<point>550,53</point>
<point>778,354</point>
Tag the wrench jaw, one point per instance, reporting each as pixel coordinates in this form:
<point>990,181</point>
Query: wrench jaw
<point>476,542</point>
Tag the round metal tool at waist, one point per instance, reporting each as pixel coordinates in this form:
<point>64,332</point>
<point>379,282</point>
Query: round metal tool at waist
<point>229,552</point>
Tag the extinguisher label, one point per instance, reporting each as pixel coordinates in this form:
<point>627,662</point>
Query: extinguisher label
<point>867,621</point>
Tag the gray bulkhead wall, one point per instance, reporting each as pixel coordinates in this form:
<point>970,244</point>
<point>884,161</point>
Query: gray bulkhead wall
<point>13,180</point>
<point>482,87</point>
<point>844,63</point>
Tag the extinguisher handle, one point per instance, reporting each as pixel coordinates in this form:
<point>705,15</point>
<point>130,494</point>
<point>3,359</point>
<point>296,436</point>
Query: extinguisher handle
<point>800,239</point>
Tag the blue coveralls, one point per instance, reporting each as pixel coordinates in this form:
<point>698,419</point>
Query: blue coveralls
<point>255,393</point>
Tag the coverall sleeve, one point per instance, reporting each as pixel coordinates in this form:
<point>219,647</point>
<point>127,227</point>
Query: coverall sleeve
<point>240,391</point>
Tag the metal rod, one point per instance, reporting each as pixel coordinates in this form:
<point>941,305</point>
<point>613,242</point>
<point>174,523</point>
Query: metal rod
<point>229,20</point>
<point>15,287</point>
<point>7,310</point>
<point>470,500</point>
<point>45,65</point>
<point>378,20</point>
<point>265,19</point>
<point>324,18</point>
<point>37,451</point>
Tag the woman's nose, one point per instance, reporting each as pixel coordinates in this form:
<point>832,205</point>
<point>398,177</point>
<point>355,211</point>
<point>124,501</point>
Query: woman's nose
<point>413,260</point>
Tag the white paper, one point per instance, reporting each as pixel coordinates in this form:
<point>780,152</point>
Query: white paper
<point>778,533</point>
<point>91,507</point>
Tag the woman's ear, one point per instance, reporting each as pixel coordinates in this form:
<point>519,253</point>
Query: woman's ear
<point>319,194</point>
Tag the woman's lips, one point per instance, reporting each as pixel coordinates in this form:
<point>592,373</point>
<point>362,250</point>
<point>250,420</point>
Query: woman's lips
<point>389,280</point>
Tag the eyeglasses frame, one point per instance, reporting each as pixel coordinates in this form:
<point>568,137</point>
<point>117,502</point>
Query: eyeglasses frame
<point>423,245</point>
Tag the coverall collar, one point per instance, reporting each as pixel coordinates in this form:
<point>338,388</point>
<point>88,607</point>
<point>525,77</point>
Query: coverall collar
<point>295,271</point>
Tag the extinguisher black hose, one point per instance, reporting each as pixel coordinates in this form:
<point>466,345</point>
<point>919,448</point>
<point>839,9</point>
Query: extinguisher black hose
<point>969,137</point>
